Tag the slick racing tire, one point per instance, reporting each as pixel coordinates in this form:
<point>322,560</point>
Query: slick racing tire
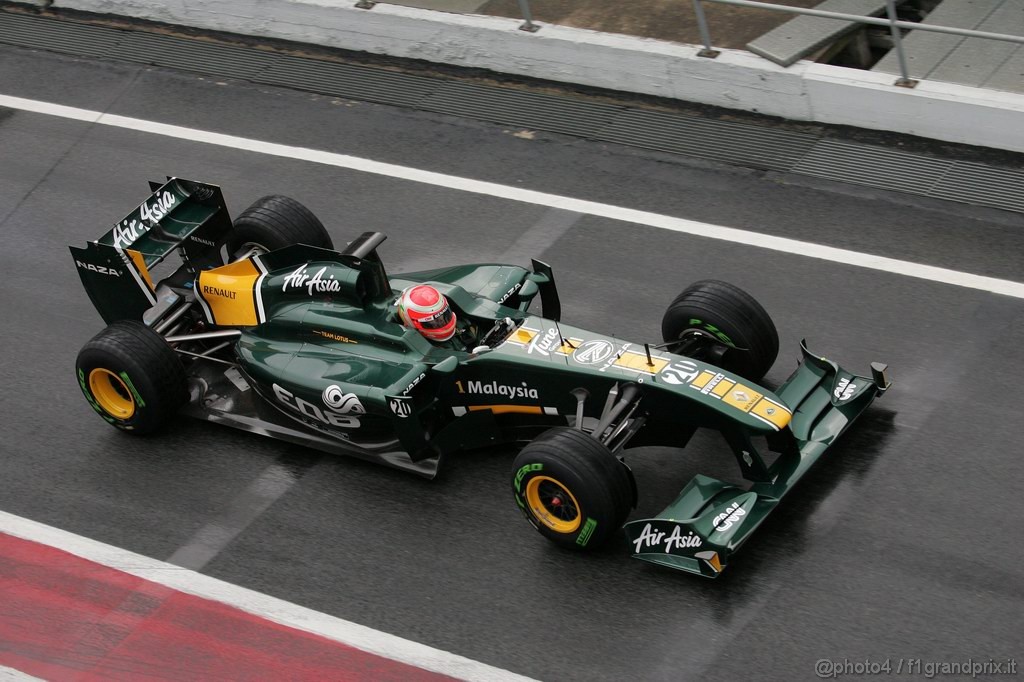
<point>131,377</point>
<point>731,316</point>
<point>571,488</point>
<point>275,222</point>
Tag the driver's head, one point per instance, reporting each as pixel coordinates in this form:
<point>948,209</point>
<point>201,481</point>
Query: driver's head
<point>423,308</point>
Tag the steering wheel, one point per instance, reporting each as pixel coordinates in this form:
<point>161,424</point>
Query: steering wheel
<point>498,332</point>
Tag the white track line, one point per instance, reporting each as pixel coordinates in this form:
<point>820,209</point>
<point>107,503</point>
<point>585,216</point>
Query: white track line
<point>262,605</point>
<point>729,234</point>
<point>12,675</point>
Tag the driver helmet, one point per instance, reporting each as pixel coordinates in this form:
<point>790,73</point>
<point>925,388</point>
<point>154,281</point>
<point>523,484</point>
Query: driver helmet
<point>423,308</point>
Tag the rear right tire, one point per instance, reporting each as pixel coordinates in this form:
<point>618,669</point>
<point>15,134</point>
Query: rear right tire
<point>274,222</point>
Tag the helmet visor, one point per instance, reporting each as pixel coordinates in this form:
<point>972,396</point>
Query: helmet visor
<point>439,320</point>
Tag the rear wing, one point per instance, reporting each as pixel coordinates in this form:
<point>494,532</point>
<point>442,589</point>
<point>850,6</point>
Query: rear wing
<point>180,215</point>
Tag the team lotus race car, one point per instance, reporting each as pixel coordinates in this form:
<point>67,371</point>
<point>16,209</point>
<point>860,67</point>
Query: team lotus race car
<point>265,327</point>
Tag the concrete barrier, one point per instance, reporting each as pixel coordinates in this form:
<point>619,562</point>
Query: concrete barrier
<point>736,79</point>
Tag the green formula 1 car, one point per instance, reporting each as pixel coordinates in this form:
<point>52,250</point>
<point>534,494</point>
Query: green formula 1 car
<point>265,327</point>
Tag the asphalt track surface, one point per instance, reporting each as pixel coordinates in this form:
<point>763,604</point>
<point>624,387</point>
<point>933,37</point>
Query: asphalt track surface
<point>904,542</point>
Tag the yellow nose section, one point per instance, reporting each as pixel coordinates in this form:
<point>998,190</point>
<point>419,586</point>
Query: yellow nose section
<point>229,294</point>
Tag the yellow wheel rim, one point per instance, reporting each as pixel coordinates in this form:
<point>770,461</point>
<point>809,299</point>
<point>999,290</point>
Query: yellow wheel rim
<point>552,504</point>
<point>111,393</point>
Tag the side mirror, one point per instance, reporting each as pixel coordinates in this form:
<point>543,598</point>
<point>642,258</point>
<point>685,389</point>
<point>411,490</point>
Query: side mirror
<point>446,366</point>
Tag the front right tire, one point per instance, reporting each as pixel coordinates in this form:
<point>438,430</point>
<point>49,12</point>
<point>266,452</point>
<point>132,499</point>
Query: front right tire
<point>727,315</point>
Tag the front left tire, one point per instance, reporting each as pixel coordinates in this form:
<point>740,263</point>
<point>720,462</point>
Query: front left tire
<point>573,490</point>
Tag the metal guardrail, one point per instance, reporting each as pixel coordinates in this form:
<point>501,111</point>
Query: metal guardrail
<point>892,21</point>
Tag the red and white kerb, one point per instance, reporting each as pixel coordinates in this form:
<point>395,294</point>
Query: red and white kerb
<point>423,308</point>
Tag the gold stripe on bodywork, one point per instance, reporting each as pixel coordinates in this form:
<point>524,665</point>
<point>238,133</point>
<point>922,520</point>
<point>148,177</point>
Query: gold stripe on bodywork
<point>523,336</point>
<point>569,346</point>
<point>722,387</point>
<point>702,379</point>
<point>741,397</point>
<point>228,291</point>
<point>638,362</point>
<point>771,411</point>
<point>508,409</point>
<point>140,264</point>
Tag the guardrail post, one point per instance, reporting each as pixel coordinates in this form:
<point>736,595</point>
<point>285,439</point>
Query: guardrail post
<point>705,35</point>
<point>524,7</point>
<point>904,81</point>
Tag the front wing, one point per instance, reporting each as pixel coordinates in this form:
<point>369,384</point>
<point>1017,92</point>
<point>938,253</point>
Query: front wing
<point>701,530</point>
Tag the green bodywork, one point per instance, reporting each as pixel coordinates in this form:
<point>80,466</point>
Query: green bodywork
<point>337,364</point>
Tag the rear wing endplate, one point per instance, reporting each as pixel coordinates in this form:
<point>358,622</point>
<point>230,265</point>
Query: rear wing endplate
<point>180,215</point>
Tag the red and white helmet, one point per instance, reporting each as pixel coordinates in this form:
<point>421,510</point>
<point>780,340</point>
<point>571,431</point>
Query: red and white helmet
<point>423,308</point>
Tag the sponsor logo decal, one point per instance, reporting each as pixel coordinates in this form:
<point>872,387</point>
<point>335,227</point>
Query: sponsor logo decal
<point>200,240</point>
<point>509,293</point>
<point>521,474</point>
<point>90,399</point>
<point>102,269</point>
<point>343,402</point>
<point>730,516</point>
<point>708,387</point>
<point>412,384</point>
<point>401,406</point>
<point>494,388</point>
<point>338,418</point>
<point>588,529</point>
<point>844,390</point>
<point>679,373</point>
<point>334,337</point>
<point>742,397</point>
<point>612,361</point>
<point>593,352</point>
<point>225,293</point>
<point>722,336</point>
<point>135,392</point>
<point>151,213</point>
<point>300,278</point>
<point>542,345</point>
<point>650,540</point>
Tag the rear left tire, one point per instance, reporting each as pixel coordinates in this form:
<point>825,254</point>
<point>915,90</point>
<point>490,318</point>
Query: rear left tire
<point>131,377</point>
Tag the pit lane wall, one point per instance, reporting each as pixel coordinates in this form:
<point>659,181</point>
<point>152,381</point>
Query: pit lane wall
<point>735,80</point>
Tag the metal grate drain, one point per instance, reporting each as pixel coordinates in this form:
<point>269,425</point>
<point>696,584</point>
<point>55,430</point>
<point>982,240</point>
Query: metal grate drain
<point>722,141</point>
<point>845,162</point>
